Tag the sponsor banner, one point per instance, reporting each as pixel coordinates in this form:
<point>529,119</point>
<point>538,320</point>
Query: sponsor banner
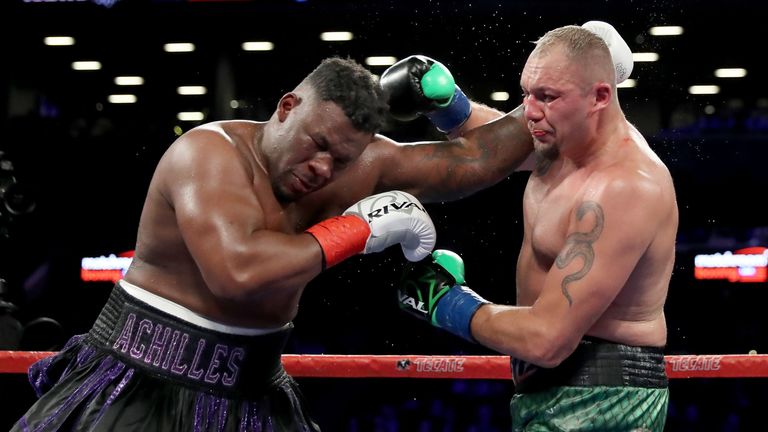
<point>743,265</point>
<point>109,268</point>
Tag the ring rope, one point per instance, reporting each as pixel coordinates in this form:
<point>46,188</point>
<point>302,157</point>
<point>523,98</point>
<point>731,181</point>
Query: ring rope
<point>473,367</point>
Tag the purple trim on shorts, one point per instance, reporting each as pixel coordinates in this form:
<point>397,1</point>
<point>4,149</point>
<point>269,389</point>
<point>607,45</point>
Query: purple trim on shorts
<point>38,374</point>
<point>198,413</point>
<point>115,393</point>
<point>223,411</point>
<point>243,416</point>
<point>102,383</point>
<point>79,394</point>
<point>23,424</point>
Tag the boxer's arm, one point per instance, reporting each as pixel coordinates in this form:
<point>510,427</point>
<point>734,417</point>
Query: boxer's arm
<point>419,85</point>
<point>481,114</point>
<point>449,170</point>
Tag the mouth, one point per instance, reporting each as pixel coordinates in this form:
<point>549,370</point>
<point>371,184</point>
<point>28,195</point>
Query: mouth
<point>301,185</point>
<point>535,132</point>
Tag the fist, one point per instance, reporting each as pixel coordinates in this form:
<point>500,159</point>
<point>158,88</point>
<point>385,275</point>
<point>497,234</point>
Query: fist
<point>620,52</point>
<point>432,290</point>
<point>396,217</point>
<point>416,85</point>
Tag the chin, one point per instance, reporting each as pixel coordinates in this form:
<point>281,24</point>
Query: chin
<point>284,194</point>
<point>547,150</point>
<point>541,146</point>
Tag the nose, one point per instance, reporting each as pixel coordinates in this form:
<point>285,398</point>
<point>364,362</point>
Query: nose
<point>322,165</point>
<point>532,107</point>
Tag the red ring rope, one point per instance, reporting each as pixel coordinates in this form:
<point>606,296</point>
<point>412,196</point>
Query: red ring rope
<point>475,367</point>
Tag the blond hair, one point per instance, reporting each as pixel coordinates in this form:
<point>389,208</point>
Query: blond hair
<point>582,47</point>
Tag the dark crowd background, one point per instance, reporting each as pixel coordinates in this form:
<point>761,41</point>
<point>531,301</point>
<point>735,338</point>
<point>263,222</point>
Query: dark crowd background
<point>80,168</point>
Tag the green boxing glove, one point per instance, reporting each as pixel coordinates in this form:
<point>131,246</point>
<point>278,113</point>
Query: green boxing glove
<point>432,290</point>
<point>421,85</point>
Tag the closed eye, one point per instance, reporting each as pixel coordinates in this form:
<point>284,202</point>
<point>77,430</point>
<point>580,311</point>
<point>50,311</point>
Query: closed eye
<point>320,144</point>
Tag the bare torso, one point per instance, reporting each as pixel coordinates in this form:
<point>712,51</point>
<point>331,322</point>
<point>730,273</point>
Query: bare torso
<point>163,264</point>
<point>636,315</point>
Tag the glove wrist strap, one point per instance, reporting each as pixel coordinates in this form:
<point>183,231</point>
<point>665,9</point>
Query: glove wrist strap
<point>340,237</point>
<point>451,117</point>
<point>455,311</point>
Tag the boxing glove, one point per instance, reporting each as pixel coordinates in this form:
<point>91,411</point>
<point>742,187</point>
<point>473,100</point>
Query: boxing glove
<point>433,290</point>
<point>375,223</point>
<point>420,85</point>
<point>620,52</point>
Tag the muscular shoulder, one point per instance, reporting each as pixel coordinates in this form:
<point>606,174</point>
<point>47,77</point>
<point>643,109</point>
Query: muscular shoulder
<point>205,153</point>
<point>632,199</point>
<point>206,145</point>
<point>625,182</point>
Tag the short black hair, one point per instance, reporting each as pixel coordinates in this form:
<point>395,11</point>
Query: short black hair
<point>353,88</point>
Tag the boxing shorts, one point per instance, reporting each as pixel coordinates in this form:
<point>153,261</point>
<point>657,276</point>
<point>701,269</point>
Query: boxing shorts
<point>602,386</point>
<point>148,364</point>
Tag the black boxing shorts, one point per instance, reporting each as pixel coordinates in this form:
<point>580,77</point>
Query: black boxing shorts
<point>161,367</point>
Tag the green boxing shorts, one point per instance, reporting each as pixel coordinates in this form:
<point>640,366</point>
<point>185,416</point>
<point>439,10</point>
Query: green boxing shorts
<point>590,409</point>
<point>602,386</point>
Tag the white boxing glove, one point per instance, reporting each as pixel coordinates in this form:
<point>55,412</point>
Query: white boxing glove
<point>375,223</point>
<point>620,52</point>
<point>396,217</point>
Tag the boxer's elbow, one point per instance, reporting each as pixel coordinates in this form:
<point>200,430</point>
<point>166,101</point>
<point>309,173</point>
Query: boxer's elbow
<point>231,286</point>
<point>521,333</point>
<point>549,349</point>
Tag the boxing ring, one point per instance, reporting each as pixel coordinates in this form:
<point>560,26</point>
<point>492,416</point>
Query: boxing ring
<point>412,390</point>
<point>451,367</point>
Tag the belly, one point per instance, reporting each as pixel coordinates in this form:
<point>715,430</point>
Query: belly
<point>614,327</point>
<point>182,284</point>
<point>639,324</point>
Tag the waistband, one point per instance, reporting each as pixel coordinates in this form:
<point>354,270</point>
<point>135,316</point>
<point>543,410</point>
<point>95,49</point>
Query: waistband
<point>176,350</point>
<point>596,362</point>
<point>181,312</point>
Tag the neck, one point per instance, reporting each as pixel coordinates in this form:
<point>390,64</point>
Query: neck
<point>607,132</point>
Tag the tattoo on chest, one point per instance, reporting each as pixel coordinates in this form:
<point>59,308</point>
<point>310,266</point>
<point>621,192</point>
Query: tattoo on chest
<point>579,244</point>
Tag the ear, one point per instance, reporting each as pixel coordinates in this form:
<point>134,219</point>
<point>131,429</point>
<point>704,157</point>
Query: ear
<point>603,95</point>
<point>288,102</point>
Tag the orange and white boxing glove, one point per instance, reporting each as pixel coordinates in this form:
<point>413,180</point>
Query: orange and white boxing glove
<point>374,224</point>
